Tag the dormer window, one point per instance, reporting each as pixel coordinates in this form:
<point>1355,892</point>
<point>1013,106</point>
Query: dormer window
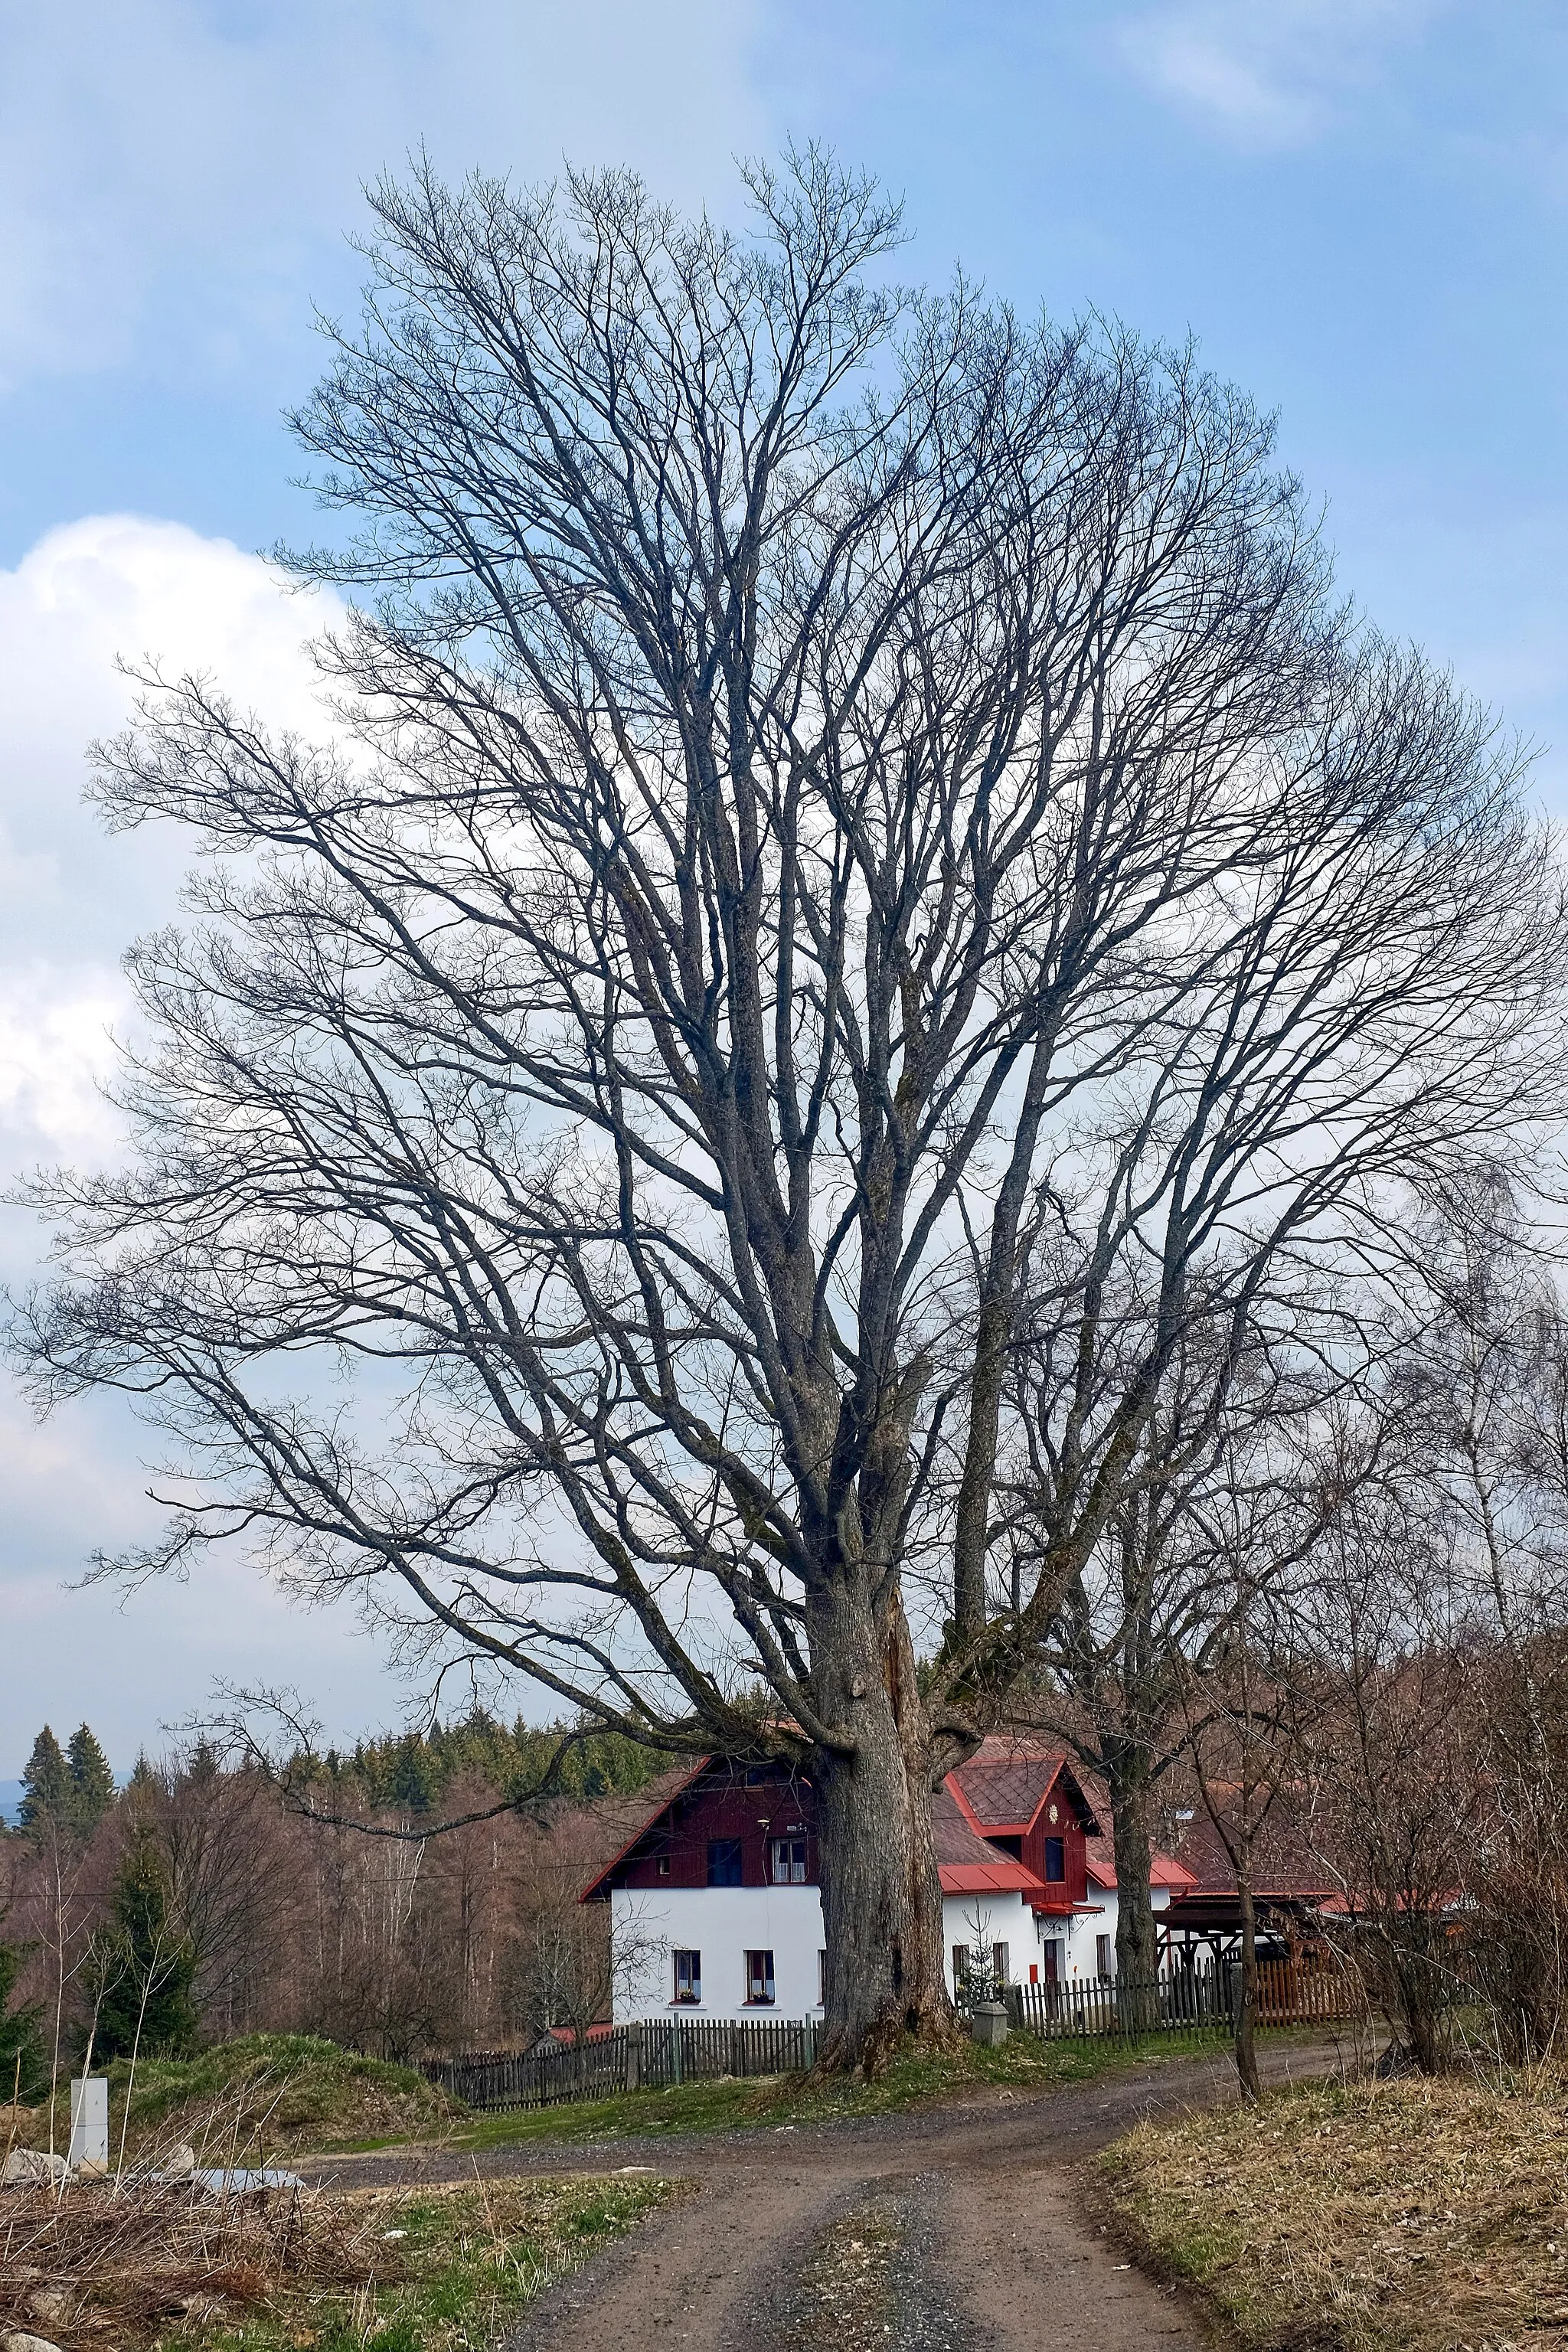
<point>1056,1861</point>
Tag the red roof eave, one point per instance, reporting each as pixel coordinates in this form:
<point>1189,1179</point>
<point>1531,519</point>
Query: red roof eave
<point>998,1877</point>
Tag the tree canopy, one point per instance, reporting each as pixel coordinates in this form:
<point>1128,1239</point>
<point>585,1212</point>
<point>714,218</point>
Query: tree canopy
<point>855,830</point>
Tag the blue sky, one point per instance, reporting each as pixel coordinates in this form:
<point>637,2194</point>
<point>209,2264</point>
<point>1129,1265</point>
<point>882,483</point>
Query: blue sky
<point>1358,207</point>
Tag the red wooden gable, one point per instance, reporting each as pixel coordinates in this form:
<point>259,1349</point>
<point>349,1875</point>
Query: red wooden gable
<point>1025,1799</point>
<point>747,1805</point>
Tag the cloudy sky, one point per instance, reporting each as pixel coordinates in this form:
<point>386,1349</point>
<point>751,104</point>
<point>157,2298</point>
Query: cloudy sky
<point>1356,205</point>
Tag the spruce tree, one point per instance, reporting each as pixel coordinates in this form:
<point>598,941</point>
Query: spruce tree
<point>410,1780</point>
<point>91,1781</point>
<point>46,1788</point>
<point>140,1970</point>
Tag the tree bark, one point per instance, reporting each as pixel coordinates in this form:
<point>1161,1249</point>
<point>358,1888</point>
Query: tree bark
<point>1247,2007</point>
<point>1137,1946</point>
<point>881,1895</point>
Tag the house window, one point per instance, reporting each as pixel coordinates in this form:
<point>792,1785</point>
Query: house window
<point>822,1981</point>
<point>760,1979</point>
<point>724,1862</point>
<point>1055,1860</point>
<point>688,1977</point>
<point>664,1865</point>
<point>999,1964</point>
<point>1102,1955</point>
<point>960,1971</point>
<point>789,1862</point>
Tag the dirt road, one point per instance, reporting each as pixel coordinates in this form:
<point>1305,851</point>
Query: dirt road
<point>958,2229</point>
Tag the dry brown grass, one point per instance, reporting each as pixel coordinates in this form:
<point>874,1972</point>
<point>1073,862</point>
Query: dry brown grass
<point>89,2268</point>
<point>442,2268</point>
<point>1407,2216</point>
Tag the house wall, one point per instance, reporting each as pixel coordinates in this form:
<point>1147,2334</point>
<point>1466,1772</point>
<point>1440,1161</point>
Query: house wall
<point>723,1923</point>
<point>1084,1955</point>
<point>989,1919</point>
<point>1075,1852</point>
<point>755,1806</point>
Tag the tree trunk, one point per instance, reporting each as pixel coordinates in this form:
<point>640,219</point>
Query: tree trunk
<point>881,1896</point>
<point>1420,1982</point>
<point>1137,1945</point>
<point>1247,2006</point>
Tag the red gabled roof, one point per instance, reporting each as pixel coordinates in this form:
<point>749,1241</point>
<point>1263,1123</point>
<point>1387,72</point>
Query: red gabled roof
<point>1285,1868</point>
<point>1003,1773</point>
<point>965,1863</point>
<point>1007,1783</point>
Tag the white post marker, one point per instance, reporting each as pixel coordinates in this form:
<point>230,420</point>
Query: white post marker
<point>89,2123</point>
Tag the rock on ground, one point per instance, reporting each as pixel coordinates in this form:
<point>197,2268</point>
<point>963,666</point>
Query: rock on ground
<point>25,2166</point>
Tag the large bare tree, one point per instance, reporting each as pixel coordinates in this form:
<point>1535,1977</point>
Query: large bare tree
<point>799,745</point>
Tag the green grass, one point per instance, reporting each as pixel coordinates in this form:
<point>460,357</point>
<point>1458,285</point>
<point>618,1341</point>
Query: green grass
<point>267,2093</point>
<point>469,2259</point>
<point>775,2101</point>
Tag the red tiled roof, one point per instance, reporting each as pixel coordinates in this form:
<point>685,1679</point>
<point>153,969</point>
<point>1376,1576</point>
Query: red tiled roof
<point>965,1863</point>
<point>1005,1783</point>
<point>1008,1771</point>
<point>1284,1865</point>
<point>1162,1870</point>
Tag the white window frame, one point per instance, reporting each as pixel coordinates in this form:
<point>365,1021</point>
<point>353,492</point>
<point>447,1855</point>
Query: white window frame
<point>793,1874</point>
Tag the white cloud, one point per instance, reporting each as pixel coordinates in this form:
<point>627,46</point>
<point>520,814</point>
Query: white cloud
<point>1269,73</point>
<point>71,898</point>
<point>167,165</point>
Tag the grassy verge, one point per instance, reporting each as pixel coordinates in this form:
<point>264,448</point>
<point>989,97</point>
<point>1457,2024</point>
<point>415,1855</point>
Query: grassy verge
<point>774,2102</point>
<point>1407,2216</point>
<point>153,2269</point>
<point>468,2260</point>
<point>268,2094</point>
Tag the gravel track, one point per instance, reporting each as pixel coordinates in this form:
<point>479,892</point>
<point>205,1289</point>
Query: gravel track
<point>952,2229</point>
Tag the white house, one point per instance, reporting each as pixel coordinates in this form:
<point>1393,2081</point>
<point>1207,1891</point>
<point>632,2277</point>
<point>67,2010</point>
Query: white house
<point>714,1904</point>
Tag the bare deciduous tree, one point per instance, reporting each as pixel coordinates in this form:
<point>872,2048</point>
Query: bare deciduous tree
<point>805,747</point>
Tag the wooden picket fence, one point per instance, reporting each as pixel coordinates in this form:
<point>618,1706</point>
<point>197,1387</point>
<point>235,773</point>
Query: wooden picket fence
<point>659,2051</point>
<point>1184,2000</point>
<point>665,2049</point>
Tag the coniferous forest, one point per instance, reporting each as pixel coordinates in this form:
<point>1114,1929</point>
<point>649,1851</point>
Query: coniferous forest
<point>207,1898</point>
